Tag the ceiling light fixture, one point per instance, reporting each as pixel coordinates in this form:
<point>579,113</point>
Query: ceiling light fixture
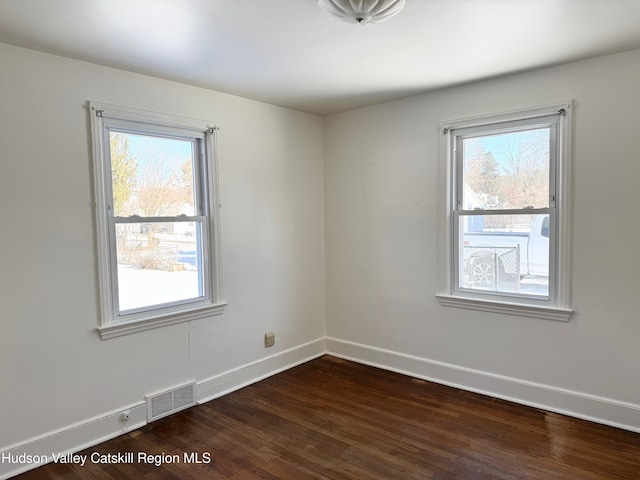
<point>362,11</point>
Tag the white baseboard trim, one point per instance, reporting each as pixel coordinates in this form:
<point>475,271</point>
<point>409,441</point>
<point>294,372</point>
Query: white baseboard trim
<point>597,409</point>
<point>239,377</point>
<point>70,439</point>
<point>79,436</point>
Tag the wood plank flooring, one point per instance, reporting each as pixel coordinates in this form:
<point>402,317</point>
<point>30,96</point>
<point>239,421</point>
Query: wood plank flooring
<point>333,419</point>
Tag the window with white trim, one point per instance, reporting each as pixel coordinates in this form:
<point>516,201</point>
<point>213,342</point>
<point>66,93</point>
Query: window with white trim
<point>157,218</point>
<point>505,221</point>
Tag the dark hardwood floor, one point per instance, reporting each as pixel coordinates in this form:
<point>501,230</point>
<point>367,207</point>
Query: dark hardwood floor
<point>333,419</point>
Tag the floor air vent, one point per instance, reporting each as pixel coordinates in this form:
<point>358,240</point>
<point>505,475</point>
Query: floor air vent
<point>172,401</point>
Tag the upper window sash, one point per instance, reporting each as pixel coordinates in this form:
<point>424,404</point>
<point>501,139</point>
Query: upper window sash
<point>459,135</point>
<point>196,137</point>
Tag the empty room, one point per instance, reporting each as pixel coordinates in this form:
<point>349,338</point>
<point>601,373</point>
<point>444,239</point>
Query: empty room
<point>324,239</point>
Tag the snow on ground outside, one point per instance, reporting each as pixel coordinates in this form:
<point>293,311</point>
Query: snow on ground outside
<point>144,287</point>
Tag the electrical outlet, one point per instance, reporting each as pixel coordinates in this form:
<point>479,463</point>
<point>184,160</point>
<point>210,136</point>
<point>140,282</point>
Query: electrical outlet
<point>269,339</point>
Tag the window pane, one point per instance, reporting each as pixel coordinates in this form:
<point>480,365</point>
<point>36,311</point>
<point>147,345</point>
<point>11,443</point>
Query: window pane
<point>508,170</point>
<point>504,253</point>
<point>151,176</point>
<point>157,263</point>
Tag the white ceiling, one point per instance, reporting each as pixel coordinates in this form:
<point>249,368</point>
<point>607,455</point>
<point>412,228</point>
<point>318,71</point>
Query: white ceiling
<point>291,53</point>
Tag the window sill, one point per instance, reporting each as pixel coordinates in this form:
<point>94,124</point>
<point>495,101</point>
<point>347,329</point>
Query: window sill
<point>126,328</point>
<point>522,310</point>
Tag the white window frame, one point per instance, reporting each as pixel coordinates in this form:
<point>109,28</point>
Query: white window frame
<point>557,305</point>
<point>112,323</point>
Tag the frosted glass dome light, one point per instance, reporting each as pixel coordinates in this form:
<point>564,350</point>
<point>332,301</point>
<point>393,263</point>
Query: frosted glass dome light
<point>362,11</point>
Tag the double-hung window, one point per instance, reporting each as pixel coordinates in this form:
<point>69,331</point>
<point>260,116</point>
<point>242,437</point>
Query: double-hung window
<point>505,227</point>
<point>158,232</point>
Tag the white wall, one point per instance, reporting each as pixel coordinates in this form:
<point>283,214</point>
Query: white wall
<point>55,371</point>
<point>381,177</point>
